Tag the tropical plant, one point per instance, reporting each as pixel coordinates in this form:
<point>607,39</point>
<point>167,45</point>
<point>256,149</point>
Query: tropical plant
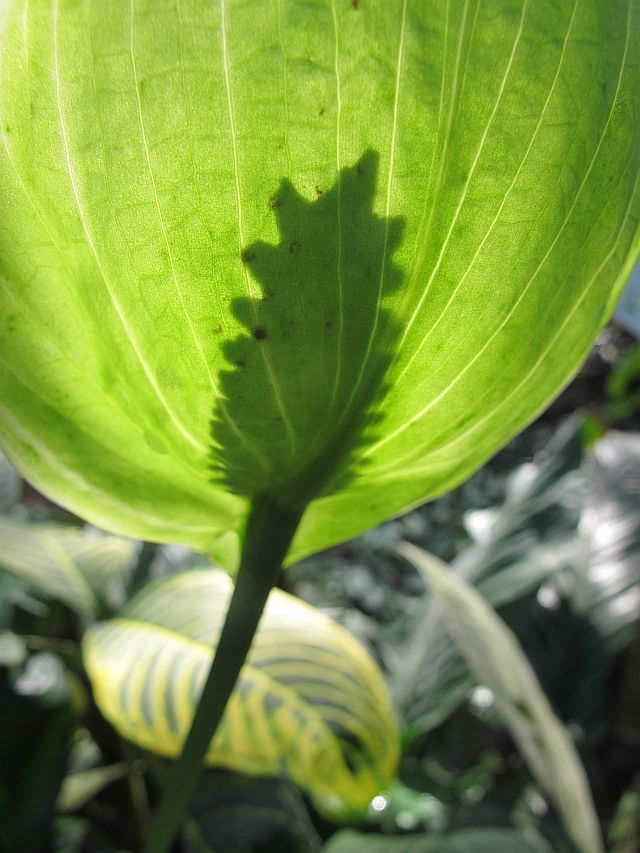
<point>271,273</point>
<point>311,705</point>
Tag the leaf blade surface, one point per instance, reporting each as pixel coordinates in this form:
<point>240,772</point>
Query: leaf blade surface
<point>310,702</point>
<point>507,144</point>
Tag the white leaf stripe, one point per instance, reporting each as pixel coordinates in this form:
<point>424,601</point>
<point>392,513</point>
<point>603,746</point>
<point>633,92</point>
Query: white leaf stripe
<point>45,332</point>
<point>76,490</point>
<point>75,189</point>
<point>431,201</point>
<point>156,200</point>
<point>340,283</point>
<point>540,362</point>
<point>385,246</point>
<point>465,190</point>
<point>277,392</point>
<point>429,207</point>
<point>469,365</point>
<point>165,237</point>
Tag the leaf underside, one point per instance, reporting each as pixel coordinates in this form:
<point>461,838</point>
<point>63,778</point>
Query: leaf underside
<point>150,150</point>
<point>310,703</point>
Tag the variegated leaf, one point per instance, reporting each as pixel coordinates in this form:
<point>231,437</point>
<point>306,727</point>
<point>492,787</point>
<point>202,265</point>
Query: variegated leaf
<point>310,702</point>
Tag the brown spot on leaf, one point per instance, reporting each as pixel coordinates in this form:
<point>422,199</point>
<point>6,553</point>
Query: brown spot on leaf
<point>294,247</point>
<point>217,330</point>
<point>248,256</point>
<point>321,113</point>
<point>318,190</point>
<point>260,333</point>
<point>273,202</point>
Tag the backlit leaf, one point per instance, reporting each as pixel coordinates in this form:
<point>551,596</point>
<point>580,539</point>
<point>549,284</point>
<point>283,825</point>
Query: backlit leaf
<point>339,250</point>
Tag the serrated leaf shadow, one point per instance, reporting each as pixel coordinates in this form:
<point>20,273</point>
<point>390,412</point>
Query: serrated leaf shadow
<point>304,383</point>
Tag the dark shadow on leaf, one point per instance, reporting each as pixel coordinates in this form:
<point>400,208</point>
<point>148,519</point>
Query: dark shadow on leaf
<point>305,382</point>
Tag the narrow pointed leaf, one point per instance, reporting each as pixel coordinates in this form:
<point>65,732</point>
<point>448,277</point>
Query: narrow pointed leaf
<point>531,537</point>
<point>310,702</point>
<point>497,660</point>
<point>345,250</point>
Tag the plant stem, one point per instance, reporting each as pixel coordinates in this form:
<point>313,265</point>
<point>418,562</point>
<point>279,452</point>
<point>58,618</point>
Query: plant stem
<point>137,787</point>
<point>268,534</point>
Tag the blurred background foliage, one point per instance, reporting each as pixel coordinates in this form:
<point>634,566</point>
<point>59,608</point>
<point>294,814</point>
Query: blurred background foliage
<point>548,532</point>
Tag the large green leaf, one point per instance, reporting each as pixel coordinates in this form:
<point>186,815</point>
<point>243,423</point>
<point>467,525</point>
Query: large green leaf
<point>310,702</point>
<point>366,242</point>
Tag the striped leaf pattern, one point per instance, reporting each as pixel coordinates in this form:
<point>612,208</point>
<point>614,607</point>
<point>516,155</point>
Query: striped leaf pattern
<point>71,564</point>
<point>310,704</point>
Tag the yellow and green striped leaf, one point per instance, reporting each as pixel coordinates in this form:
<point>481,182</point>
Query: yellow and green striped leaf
<point>310,703</point>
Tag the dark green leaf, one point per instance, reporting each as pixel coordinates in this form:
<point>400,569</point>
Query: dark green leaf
<point>464,841</point>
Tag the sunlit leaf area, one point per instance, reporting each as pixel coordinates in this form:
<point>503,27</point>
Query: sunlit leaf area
<point>319,426</point>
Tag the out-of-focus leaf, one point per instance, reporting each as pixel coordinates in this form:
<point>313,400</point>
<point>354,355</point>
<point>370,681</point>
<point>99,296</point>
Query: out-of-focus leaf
<point>463,841</point>
<point>43,677</point>
<point>623,387</point>
<point>527,540</point>
<point>402,809</point>
<point>607,590</point>
<point>10,486</point>
<point>234,814</point>
<point>73,565</point>
<point>624,830</point>
<point>496,660</point>
<point>174,558</point>
<point>78,788</point>
<point>36,729</point>
<point>74,834</point>
<point>569,531</point>
<point>15,594</point>
<point>310,702</point>
<point>12,649</point>
<point>596,602</point>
